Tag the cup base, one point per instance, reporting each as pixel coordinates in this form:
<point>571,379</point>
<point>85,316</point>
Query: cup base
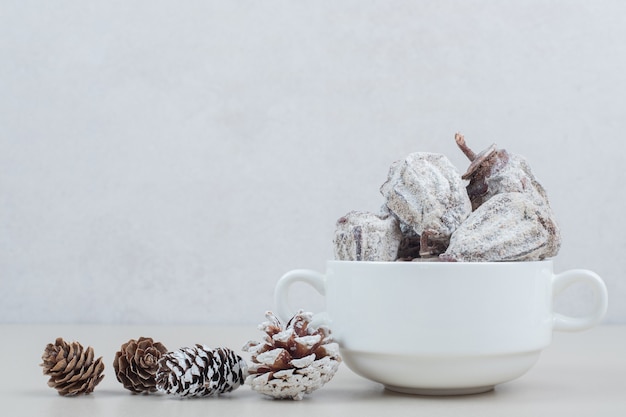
<point>441,391</point>
<point>439,374</point>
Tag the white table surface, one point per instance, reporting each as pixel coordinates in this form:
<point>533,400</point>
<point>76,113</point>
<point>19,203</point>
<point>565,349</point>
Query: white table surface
<point>580,374</point>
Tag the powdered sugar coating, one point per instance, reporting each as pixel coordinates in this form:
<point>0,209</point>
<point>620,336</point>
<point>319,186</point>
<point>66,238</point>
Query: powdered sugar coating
<point>363,236</point>
<point>515,176</point>
<point>426,192</point>
<point>507,227</point>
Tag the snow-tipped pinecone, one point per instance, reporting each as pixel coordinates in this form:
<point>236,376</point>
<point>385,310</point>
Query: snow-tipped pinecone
<point>293,360</point>
<point>71,368</point>
<point>136,364</point>
<point>200,371</point>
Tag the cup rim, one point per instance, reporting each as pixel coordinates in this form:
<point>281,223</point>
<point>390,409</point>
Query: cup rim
<point>435,264</point>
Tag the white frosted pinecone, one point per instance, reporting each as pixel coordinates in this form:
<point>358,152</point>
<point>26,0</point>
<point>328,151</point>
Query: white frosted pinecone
<point>200,371</point>
<point>293,360</point>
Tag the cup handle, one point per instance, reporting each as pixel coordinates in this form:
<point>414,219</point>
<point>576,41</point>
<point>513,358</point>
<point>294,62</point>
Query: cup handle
<point>281,291</point>
<point>562,281</point>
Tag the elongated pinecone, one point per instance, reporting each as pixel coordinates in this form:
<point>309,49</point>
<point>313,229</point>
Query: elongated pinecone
<point>200,371</point>
<point>293,360</point>
<point>71,368</point>
<point>136,364</point>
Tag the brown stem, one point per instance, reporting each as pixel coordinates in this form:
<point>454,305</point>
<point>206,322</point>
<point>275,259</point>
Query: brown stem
<point>460,141</point>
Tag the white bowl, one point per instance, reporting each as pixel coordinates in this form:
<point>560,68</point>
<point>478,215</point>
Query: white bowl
<point>442,328</point>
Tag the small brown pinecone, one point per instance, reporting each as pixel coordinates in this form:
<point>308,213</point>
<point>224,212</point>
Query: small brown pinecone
<point>293,360</point>
<point>71,368</point>
<point>200,371</point>
<point>136,364</point>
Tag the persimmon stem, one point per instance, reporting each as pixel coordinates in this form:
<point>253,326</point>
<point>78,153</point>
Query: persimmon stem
<point>460,141</point>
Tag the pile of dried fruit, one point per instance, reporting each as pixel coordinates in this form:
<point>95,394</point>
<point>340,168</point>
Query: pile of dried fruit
<point>502,214</point>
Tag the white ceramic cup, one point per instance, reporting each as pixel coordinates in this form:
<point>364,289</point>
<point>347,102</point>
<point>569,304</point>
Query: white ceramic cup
<point>443,328</point>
